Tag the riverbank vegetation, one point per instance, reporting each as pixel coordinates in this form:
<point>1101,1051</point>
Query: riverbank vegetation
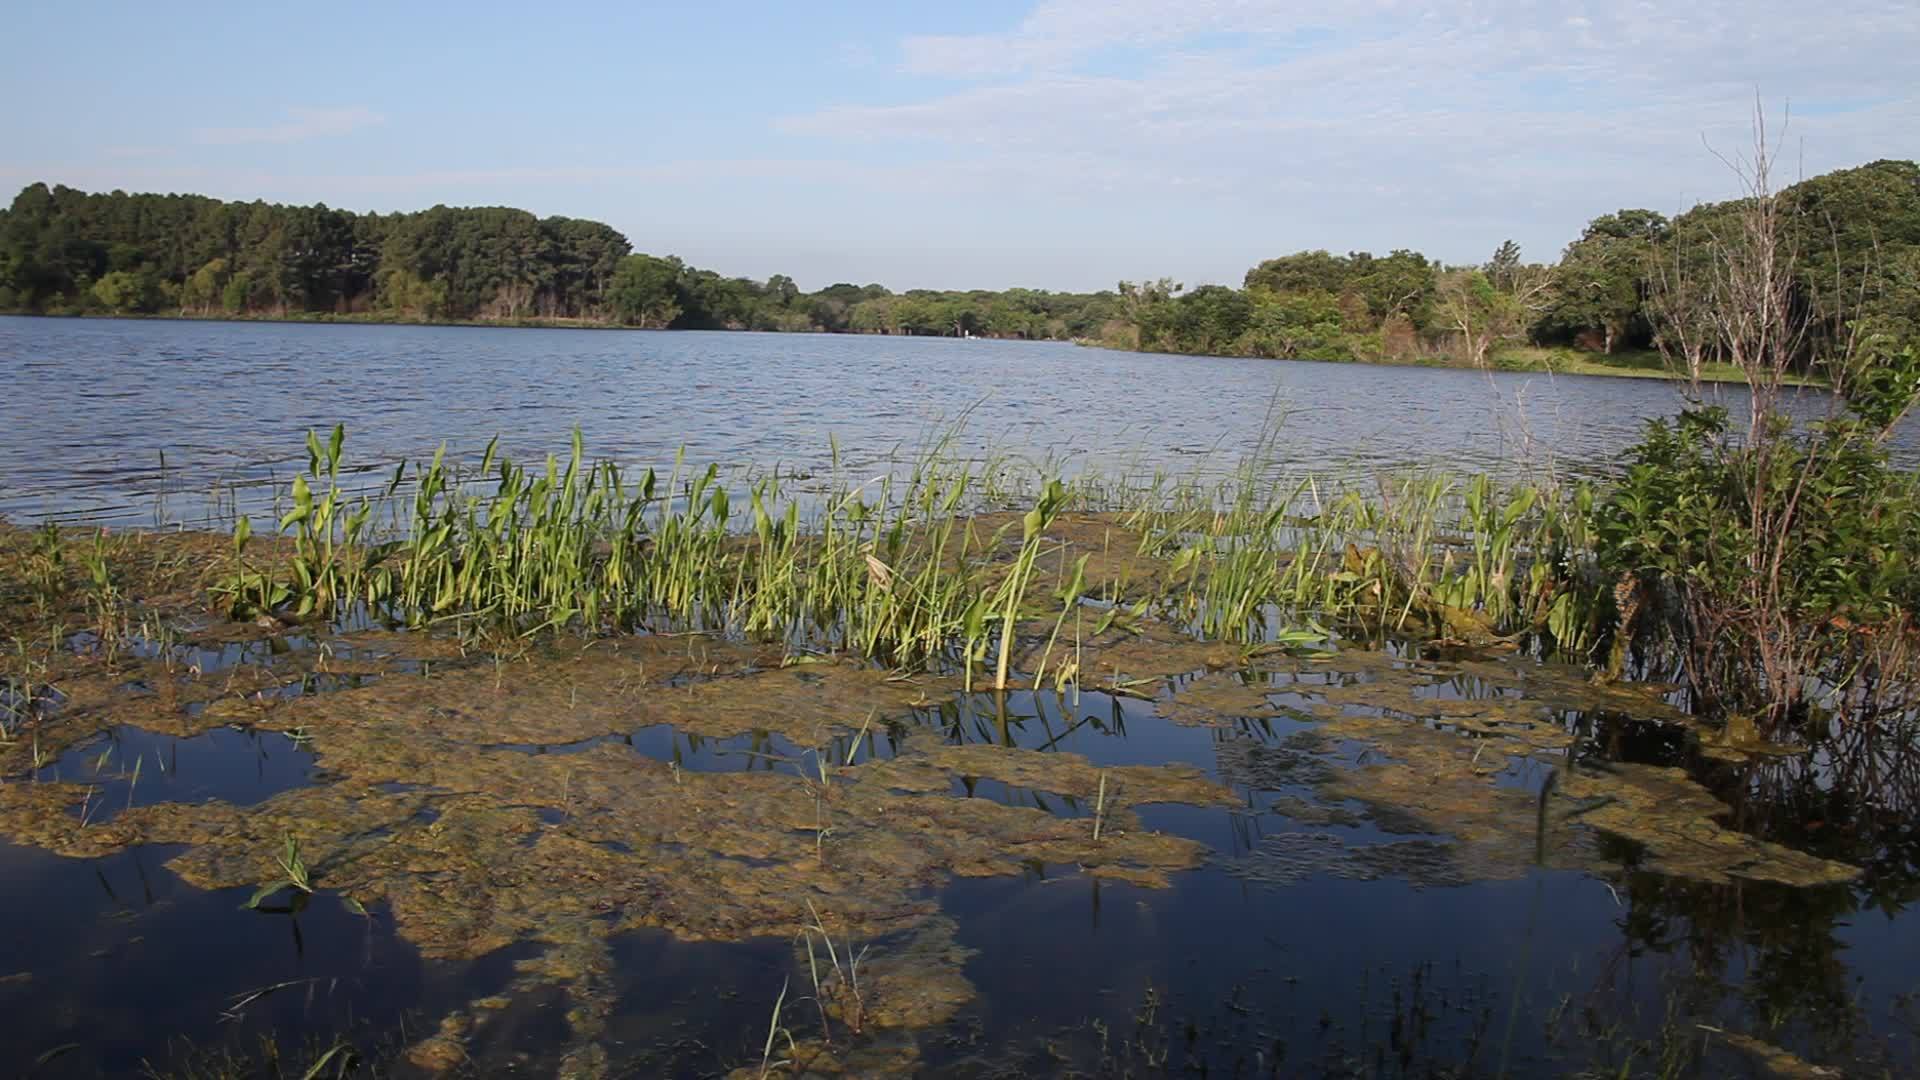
<point>1773,576</point>
<point>64,251</point>
<point>1616,300</point>
<point>1626,291</point>
<point>557,789</point>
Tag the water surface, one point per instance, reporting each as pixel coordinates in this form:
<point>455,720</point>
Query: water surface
<point>95,403</point>
<point>1259,962</point>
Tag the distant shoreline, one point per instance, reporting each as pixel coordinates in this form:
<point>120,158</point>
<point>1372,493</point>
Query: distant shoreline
<point>500,324</point>
<point>1522,360</point>
<point>1518,360</point>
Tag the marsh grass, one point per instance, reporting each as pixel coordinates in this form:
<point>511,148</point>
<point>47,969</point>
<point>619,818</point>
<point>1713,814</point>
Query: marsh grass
<point>841,983</point>
<point>312,1058</point>
<point>918,568</point>
<point>942,563</point>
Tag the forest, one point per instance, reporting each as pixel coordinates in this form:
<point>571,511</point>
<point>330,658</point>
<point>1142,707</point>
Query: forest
<point>1852,238</point>
<point>1854,234</point>
<point>64,251</point>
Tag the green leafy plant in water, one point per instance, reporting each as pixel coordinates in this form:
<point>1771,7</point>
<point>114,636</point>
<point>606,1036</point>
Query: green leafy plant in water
<point>46,567</point>
<point>294,875</point>
<point>249,591</point>
<point>1766,565</point>
<point>323,529</point>
<point>104,601</point>
<point>1007,601</point>
<point>897,570</point>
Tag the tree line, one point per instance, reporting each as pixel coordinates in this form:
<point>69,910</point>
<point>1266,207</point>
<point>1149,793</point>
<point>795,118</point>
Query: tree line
<point>1856,235</point>
<point>1633,280</point>
<point>64,251</point>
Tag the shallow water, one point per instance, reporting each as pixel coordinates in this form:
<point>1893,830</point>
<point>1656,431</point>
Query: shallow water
<point>1326,930</point>
<point>129,767</point>
<point>1317,937</point>
<point>94,404</point>
<point>121,963</point>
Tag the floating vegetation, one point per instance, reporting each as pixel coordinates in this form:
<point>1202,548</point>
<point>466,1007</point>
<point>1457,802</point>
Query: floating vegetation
<point>486,683</point>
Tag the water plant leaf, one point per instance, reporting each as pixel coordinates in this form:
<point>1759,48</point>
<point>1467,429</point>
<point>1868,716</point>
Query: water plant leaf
<point>49,1056</point>
<point>340,1054</point>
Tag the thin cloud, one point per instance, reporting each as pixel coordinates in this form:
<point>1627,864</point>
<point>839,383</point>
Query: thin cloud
<point>298,125</point>
<point>1394,124</point>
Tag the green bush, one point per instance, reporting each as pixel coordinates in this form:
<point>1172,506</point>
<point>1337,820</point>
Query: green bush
<point>1767,560</point>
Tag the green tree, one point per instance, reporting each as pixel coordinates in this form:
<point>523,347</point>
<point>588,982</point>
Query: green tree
<point>1211,318</point>
<point>202,291</point>
<point>234,297</point>
<point>873,316</point>
<point>1306,271</point>
<point>1297,326</point>
<point>1603,279</point>
<point>1482,316</point>
<point>1399,283</point>
<point>1147,309</point>
<point>781,290</point>
<point>645,291</point>
<point>122,291</point>
<point>1504,266</point>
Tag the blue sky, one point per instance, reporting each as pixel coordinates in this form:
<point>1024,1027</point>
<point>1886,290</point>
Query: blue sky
<point>1058,144</point>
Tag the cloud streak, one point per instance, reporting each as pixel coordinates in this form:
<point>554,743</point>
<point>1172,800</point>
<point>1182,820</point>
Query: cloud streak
<point>296,125</point>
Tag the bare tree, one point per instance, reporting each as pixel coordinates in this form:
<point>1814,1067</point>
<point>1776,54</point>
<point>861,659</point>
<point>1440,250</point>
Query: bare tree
<point>1741,299</point>
<point>1483,314</point>
<point>1749,289</point>
<point>1677,306</point>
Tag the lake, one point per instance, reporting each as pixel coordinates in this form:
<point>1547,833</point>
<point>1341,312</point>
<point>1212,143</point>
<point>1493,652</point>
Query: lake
<point>625,858</point>
<point>96,403</point>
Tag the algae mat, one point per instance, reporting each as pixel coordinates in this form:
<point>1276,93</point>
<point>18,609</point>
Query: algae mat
<point>537,809</point>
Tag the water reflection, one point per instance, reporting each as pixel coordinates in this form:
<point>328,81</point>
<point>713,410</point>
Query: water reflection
<point>131,767</point>
<point>1324,934</point>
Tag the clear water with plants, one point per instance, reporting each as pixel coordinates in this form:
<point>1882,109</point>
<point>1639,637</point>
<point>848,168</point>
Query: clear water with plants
<point>731,706</point>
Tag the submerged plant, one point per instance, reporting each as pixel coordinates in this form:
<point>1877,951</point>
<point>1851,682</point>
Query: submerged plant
<point>776,1031</point>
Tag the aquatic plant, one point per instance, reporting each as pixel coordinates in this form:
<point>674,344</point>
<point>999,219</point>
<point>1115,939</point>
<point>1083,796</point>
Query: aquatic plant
<point>294,875</point>
<point>842,983</point>
<point>46,568</point>
<point>907,571</point>
<point>1820,595</point>
<point>1100,806</point>
<point>918,569</point>
<point>775,1030</point>
<point>1033,527</point>
<point>248,591</point>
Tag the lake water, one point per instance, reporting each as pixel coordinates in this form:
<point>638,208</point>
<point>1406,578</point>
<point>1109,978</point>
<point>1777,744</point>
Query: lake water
<point>1321,936</point>
<point>93,405</point>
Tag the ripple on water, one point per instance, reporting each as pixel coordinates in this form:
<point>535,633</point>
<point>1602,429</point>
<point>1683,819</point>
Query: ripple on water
<point>405,390</point>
